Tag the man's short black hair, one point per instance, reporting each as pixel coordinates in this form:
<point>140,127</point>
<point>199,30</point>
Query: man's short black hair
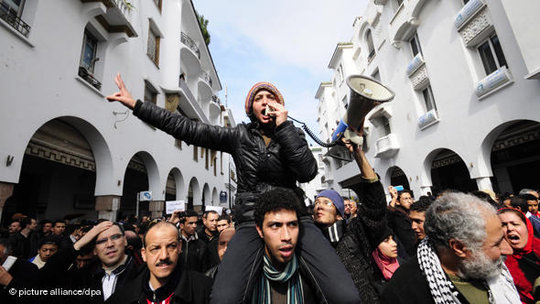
<point>58,221</point>
<point>188,213</point>
<point>49,241</point>
<point>275,200</point>
<point>45,221</point>
<point>529,197</point>
<point>403,191</point>
<point>520,202</point>
<point>224,217</point>
<point>421,205</point>
<point>205,214</point>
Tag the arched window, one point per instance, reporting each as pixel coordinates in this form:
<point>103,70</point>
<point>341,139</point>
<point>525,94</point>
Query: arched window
<point>371,47</point>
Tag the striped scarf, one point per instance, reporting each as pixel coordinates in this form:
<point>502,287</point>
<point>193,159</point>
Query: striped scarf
<point>442,289</point>
<point>295,292</point>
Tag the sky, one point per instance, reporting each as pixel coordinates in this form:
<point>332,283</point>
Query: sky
<point>286,42</point>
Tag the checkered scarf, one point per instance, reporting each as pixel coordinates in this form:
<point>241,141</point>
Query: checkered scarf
<point>441,288</point>
<point>295,293</point>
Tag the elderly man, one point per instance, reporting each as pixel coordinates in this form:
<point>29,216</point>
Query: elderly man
<point>460,259</point>
<point>164,280</point>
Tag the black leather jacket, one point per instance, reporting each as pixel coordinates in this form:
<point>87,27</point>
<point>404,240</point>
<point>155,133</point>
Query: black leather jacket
<point>286,160</point>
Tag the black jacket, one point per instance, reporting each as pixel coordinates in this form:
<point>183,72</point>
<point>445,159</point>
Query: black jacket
<point>194,255</point>
<point>401,224</point>
<point>362,237</point>
<point>24,276</point>
<point>286,160</point>
<point>60,271</point>
<point>408,285</point>
<point>188,287</point>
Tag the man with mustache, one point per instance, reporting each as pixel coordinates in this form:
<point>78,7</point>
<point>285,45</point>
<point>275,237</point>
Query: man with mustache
<point>164,280</point>
<point>459,261</point>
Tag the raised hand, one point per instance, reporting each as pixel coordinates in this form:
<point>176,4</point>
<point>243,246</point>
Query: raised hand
<point>278,111</point>
<point>123,96</point>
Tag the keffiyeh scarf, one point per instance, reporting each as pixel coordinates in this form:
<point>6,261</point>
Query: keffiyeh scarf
<point>290,274</point>
<point>441,288</point>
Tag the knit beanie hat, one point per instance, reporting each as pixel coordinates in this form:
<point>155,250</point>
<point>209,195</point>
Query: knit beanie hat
<point>336,199</point>
<point>262,86</point>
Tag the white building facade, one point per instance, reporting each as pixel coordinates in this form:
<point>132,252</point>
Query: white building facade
<point>467,95</point>
<point>67,151</point>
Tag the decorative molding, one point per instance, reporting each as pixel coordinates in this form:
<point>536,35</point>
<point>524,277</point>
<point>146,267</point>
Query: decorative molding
<point>493,82</point>
<point>516,140</point>
<point>477,28</point>
<point>373,15</point>
<point>419,78</point>
<point>428,119</point>
<point>69,158</point>
<point>414,64</point>
<point>468,10</point>
<point>450,160</point>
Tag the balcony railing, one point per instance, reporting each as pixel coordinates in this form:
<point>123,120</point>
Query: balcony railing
<point>84,74</point>
<point>10,17</point>
<point>206,77</point>
<point>190,43</point>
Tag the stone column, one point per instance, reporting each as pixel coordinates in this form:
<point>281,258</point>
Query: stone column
<point>484,183</point>
<point>156,208</point>
<point>107,206</point>
<point>6,190</point>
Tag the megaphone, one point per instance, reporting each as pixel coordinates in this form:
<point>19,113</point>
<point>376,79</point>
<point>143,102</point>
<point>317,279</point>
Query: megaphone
<point>365,94</point>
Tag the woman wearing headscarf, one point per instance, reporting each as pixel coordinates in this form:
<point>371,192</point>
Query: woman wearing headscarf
<point>524,263</point>
<point>385,258</point>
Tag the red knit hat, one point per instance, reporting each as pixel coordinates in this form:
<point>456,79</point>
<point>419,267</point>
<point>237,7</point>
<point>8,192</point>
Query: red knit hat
<point>262,86</point>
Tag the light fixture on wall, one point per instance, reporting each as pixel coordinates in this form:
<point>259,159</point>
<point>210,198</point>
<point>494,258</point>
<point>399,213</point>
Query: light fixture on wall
<point>120,120</point>
<point>9,160</point>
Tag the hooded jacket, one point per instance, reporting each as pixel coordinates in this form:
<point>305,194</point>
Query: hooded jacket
<point>286,160</point>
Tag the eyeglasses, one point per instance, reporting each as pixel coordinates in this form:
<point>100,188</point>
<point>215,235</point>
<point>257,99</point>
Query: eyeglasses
<point>324,203</point>
<point>113,238</point>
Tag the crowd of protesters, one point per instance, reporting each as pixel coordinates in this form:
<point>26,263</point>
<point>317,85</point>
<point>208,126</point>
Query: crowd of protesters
<point>176,258</point>
<point>452,248</point>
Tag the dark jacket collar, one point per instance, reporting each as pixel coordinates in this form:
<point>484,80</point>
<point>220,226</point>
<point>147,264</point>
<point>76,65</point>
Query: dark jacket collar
<point>178,284</point>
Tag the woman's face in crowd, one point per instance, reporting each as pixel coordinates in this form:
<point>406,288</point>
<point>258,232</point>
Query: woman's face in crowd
<point>515,230</point>
<point>388,247</point>
<point>261,99</point>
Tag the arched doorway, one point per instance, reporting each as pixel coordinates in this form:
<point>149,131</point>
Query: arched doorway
<point>58,173</point>
<point>194,197</point>
<point>515,157</point>
<point>135,181</point>
<point>398,178</point>
<point>448,171</point>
